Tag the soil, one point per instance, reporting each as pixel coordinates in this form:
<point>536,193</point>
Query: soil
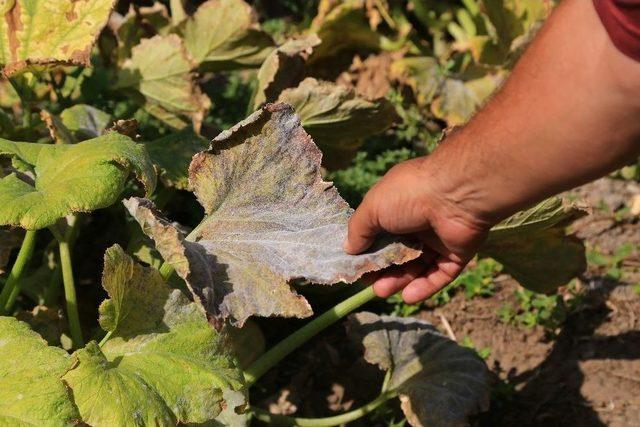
<point>586,372</point>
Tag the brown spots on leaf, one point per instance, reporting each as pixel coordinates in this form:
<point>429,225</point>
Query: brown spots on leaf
<point>14,25</point>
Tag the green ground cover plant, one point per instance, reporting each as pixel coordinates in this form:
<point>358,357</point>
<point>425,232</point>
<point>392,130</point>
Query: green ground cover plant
<point>193,141</point>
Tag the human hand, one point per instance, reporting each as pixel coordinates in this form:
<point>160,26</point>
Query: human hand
<point>411,199</point>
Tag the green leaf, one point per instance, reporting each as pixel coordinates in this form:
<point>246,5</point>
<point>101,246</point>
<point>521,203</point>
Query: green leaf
<point>70,178</point>
<point>39,32</point>
<point>163,364</point>
<point>31,392</point>
<point>337,119</point>
<point>283,68</point>
<point>172,154</point>
<point>77,123</point>
<point>270,219</point>
<point>225,35</point>
<point>458,100</point>
<point>534,247</point>
<point>422,74</point>
<point>439,382</point>
<point>159,76</point>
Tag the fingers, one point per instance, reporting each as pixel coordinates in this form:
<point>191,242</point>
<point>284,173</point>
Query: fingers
<point>397,277</point>
<point>363,227</point>
<point>437,277</point>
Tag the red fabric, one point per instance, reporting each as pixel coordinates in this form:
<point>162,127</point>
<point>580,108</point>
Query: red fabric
<point>621,18</point>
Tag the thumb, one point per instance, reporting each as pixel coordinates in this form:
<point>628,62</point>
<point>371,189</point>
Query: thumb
<point>363,228</point>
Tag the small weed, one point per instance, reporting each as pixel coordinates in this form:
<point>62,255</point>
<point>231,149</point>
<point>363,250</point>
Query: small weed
<point>484,352</point>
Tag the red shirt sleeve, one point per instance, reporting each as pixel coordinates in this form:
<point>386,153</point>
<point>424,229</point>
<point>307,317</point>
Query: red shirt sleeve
<point>621,18</point>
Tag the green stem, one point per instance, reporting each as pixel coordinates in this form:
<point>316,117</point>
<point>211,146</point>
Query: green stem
<point>347,417</point>
<point>105,338</point>
<point>70,292</point>
<point>302,335</point>
<point>166,269</point>
<point>11,287</point>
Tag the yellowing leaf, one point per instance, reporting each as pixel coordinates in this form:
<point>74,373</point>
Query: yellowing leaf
<point>458,100</point>
<point>337,118</point>
<point>172,154</point>
<point>283,68</point>
<point>77,123</point>
<point>534,247</point>
<point>31,392</point>
<point>163,363</point>
<point>225,35</point>
<point>269,219</point>
<point>439,382</point>
<point>160,74</point>
<point>40,32</point>
<point>70,178</point>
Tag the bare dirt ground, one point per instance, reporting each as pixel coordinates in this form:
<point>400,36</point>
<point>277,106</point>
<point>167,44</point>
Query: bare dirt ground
<point>586,372</point>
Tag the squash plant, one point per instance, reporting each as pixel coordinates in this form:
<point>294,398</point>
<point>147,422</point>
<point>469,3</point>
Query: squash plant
<point>168,348</point>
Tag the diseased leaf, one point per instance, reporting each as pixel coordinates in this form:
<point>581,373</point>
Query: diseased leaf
<point>343,26</point>
<point>160,74</point>
<point>422,74</point>
<point>172,154</point>
<point>163,364</point>
<point>31,392</point>
<point>337,119</point>
<point>458,100</point>
<point>70,178</point>
<point>77,123</point>
<point>283,68</point>
<point>225,35</point>
<point>39,32</point>
<point>534,247</point>
<point>270,219</point>
<point>439,382</point>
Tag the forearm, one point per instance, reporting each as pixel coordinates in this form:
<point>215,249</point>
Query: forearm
<point>569,113</point>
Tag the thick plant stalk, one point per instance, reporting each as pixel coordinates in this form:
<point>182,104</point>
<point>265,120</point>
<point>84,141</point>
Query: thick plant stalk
<point>70,293</point>
<point>282,420</point>
<point>302,335</point>
<point>11,288</point>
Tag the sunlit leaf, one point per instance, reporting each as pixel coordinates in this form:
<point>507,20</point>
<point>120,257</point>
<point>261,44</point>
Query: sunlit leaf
<point>457,100</point>
<point>225,35</point>
<point>39,32</point>
<point>31,391</point>
<point>337,119</point>
<point>534,247</point>
<point>160,75</point>
<point>270,219</point>
<point>163,363</point>
<point>172,154</point>
<point>439,382</point>
<point>343,26</point>
<point>422,74</point>
<point>283,68</point>
<point>70,178</point>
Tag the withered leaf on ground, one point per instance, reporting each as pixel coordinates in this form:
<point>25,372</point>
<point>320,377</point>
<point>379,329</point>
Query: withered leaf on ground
<point>439,382</point>
<point>269,219</point>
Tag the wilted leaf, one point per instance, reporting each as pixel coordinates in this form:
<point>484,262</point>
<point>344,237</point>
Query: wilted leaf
<point>283,68</point>
<point>270,219</point>
<point>70,178</point>
<point>39,32</point>
<point>422,74</point>
<point>534,247</point>
<point>10,238</point>
<point>172,154</point>
<point>337,119</point>
<point>140,23</point>
<point>371,77</point>
<point>225,35</point>
<point>77,123</point>
<point>343,26</point>
<point>439,382</point>
<point>163,364</point>
<point>31,392</point>
<point>160,73</point>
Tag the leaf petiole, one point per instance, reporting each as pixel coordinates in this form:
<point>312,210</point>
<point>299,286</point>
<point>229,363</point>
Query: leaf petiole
<point>69,288</point>
<point>302,335</point>
<point>11,288</point>
<point>347,417</point>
